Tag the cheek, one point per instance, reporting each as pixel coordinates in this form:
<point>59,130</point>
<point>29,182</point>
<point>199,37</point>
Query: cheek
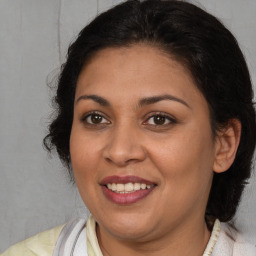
<point>185,159</point>
<point>84,164</point>
<point>83,149</point>
<point>185,164</point>
<point>84,158</point>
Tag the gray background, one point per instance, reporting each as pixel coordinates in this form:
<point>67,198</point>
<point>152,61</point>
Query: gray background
<point>34,34</point>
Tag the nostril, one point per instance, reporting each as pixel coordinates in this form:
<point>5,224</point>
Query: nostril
<point>122,152</point>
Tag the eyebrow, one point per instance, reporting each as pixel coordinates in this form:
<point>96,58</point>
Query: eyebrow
<point>95,98</point>
<point>142,102</point>
<point>155,99</point>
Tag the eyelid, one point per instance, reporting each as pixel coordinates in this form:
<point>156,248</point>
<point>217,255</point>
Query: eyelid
<point>172,119</point>
<point>94,112</point>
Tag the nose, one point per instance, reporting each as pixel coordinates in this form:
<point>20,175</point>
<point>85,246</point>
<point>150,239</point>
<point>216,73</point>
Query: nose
<point>124,146</point>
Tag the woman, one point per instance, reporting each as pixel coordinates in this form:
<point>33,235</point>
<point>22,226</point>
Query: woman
<point>156,125</point>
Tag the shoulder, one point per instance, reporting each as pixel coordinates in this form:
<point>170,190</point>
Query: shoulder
<point>40,244</point>
<point>231,243</point>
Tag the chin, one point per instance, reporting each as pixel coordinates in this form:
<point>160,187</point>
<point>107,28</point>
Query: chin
<point>127,226</point>
<point>130,233</point>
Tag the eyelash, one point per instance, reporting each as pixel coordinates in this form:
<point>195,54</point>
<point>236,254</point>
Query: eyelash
<point>171,120</point>
<point>91,114</point>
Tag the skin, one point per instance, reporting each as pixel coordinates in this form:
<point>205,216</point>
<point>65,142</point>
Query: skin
<point>179,156</point>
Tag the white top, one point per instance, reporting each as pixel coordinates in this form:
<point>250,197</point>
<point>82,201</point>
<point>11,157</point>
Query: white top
<point>224,241</point>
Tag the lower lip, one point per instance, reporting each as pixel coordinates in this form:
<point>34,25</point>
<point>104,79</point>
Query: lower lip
<point>126,198</point>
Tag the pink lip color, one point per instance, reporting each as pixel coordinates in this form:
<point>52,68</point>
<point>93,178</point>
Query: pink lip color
<point>126,198</point>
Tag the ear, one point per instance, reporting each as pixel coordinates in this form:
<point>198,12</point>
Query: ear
<point>226,145</point>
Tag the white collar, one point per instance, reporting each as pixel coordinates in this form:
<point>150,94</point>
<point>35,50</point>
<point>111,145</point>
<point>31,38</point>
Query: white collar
<point>224,241</point>
<point>71,241</point>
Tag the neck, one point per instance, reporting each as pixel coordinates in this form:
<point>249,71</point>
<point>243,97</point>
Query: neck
<point>189,239</point>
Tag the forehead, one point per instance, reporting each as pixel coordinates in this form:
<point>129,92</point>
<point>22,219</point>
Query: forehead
<point>137,57</point>
<point>138,70</point>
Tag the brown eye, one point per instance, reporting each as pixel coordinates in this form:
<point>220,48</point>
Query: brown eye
<point>159,120</point>
<point>94,119</point>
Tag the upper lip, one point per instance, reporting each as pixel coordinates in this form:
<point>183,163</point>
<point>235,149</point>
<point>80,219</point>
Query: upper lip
<point>124,180</point>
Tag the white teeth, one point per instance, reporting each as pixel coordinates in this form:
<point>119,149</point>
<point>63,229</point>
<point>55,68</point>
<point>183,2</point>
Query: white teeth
<point>137,186</point>
<point>113,187</point>
<point>143,186</point>
<point>120,187</point>
<point>128,187</point>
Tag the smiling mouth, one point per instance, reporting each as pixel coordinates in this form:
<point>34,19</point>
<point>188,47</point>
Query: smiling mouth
<point>127,187</point>
<point>126,190</point>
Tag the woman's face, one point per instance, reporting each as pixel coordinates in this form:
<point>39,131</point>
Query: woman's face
<point>141,143</point>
